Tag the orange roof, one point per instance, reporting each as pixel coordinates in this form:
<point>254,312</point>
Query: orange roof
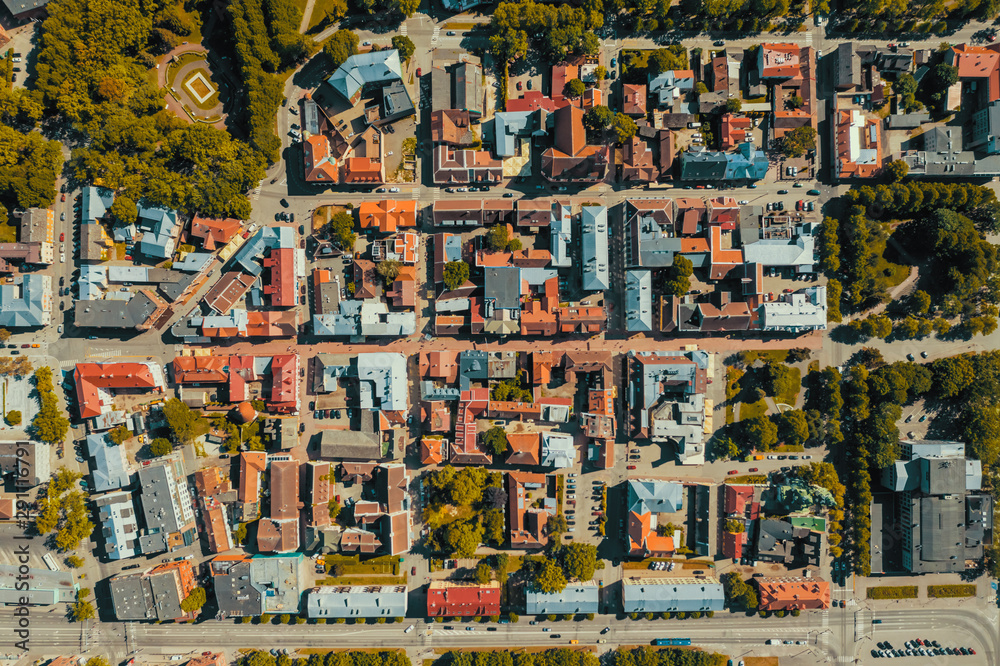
<point>283,285</point>
<point>733,130</point>
<point>271,323</point>
<point>722,260</point>
<point>403,293</point>
<point>432,451</point>
<point>793,593</point>
<point>440,365</point>
<point>200,369</point>
<point>692,245</point>
<point>216,528</point>
<point>362,170</point>
<point>977,62</point>
<point>525,448</point>
<point>643,540</point>
<point>387,215</point>
<point>320,166</point>
<point>214,232</point>
<point>779,61</point>
<point>252,464</point>
<point>601,401</point>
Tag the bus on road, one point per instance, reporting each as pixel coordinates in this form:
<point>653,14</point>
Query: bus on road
<point>672,641</point>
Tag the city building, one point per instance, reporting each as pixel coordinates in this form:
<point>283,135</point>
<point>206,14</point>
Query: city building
<point>360,73</point>
<point>26,302</point>
<point>672,595</point>
<point>594,248</point>
<point>119,527</point>
<point>571,159</point>
<point>97,383</point>
<point>343,601</point>
<point>153,595</point>
<point>944,518</point>
<point>793,593</point>
<point>453,599</point>
<point>575,599</point>
<point>249,587</point>
<point>527,524</point>
<point>111,470</point>
<point>167,508</point>
<point>645,500</point>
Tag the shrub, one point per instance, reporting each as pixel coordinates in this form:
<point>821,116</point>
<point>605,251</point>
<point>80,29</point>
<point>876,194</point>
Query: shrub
<point>946,591</point>
<point>893,592</point>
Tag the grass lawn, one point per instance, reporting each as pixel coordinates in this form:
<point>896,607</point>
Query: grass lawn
<point>320,9</point>
<point>364,580</point>
<point>8,233</point>
<point>353,566</point>
<point>749,410</point>
<point>758,479</point>
<point>213,99</point>
<point>894,273</point>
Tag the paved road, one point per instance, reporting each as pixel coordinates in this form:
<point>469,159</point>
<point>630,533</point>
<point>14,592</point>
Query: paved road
<point>733,634</point>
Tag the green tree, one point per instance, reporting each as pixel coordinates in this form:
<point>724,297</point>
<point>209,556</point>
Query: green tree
<point>456,273</point>
<point>598,118</point>
<point>550,578</point>
<point>792,427</point>
<point>495,440</point>
<point>119,434</point>
<point>74,561</point>
<point>678,276</point>
<point>194,600</point>
<point>13,417</point>
<point>388,270</point>
<point>498,238</point>
<point>574,88</point>
<point>579,560</point>
<point>601,73</point>
<point>161,446</point>
<point>185,424</point>
<point>342,230</point>
<point>84,610</point>
<point>625,127</point>
<point>796,142</point>
<point>700,88</point>
<point>334,507</point>
<point>897,170</point>
<point>341,46</point>
<point>49,424</point>
<point>734,105</point>
<point>760,432</point>
<point>484,574</point>
<point>404,45</point>
<point>124,211</point>
<point>556,525</point>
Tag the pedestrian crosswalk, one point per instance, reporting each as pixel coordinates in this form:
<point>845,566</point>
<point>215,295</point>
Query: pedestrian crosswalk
<point>436,34</point>
<point>255,195</point>
<point>402,28</point>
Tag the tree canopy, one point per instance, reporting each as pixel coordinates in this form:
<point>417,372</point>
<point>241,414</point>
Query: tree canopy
<point>186,425</point>
<point>456,273</point>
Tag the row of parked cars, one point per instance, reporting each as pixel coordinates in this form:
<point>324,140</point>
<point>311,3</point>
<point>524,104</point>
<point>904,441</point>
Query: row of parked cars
<point>919,648</point>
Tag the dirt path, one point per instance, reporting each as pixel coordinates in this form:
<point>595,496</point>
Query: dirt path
<point>894,293</point>
<point>306,15</point>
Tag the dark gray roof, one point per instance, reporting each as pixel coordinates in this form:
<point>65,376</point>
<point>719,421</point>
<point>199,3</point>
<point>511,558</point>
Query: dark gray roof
<point>575,598</point>
<point>361,445</point>
<point>235,595</point>
<point>503,284</point>
<point>473,364</point>
<point>108,313</point>
<point>131,599</point>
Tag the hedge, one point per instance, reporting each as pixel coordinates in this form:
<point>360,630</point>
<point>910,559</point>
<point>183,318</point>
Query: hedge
<point>893,592</point>
<point>945,591</point>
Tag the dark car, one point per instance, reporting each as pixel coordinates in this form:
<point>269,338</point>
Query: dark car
<point>284,203</point>
<point>508,195</point>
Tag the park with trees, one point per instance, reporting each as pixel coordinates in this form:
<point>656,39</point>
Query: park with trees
<point>465,509</point>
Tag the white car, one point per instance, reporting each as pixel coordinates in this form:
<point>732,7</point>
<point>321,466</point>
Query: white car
<point>744,202</point>
<point>394,189</point>
<point>408,629</point>
<point>367,43</point>
<point>62,258</point>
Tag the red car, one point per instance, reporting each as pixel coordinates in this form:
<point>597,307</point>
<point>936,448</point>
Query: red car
<point>25,346</point>
<point>754,469</point>
<point>630,467</point>
<point>413,571</point>
<point>63,198</point>
<point>418,72</point>
<point>518,85</point>
<point>62,237</point>
<point>732,472</point>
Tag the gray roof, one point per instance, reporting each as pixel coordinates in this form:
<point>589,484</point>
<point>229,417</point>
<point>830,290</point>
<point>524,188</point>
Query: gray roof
<point>131,598</point>
<point>364,318</point>
<point>357,601</point>
<point>799,252</point>
<point>378,374</point>
<point>560,235</point>
<point>507,126</point>
<point>310,116</point>
<point>46,587</point>
<point>114,313</point>
<point>653,496</point>
<point>468,88</point>
<point>110,471</point>
<point>660,595</point>
<point>166,506</point>
<point>18,7</point>
<point>26,304</point>
<point>396,101</point>
<point>119,526</point>
<point>800,311</point>
<point>352,445</point>
<point>473,365</point>
<point>558,450</point>
<point>638,300</point>
<point>26,460</point>
<point>594,229</point>
<point>193,262</point>
<point>160,228</point>
<point>365,69</point>
<point>95,202</point>
<point>575,598</point>
<point>282,579</point>
<point>503,285</point>
<point>264,238</point>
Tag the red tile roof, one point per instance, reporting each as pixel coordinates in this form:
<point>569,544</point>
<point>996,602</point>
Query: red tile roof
<point>432,450</point>
<point>200,369</point>
<point>635,99</point>
<point>525,448</point>
<point>320,165</point>
<point>977,62</point>
<point>282,288</point>
<point>779,61</point>
<point>736,499</point>
<point>793,593</point>
<point>387,216</point>
<point>284,383</point>
<point>733,130</point>
<point>451,599</point>
<point>527,525</point>
<point>90,378</point>
<point>214,232</point>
